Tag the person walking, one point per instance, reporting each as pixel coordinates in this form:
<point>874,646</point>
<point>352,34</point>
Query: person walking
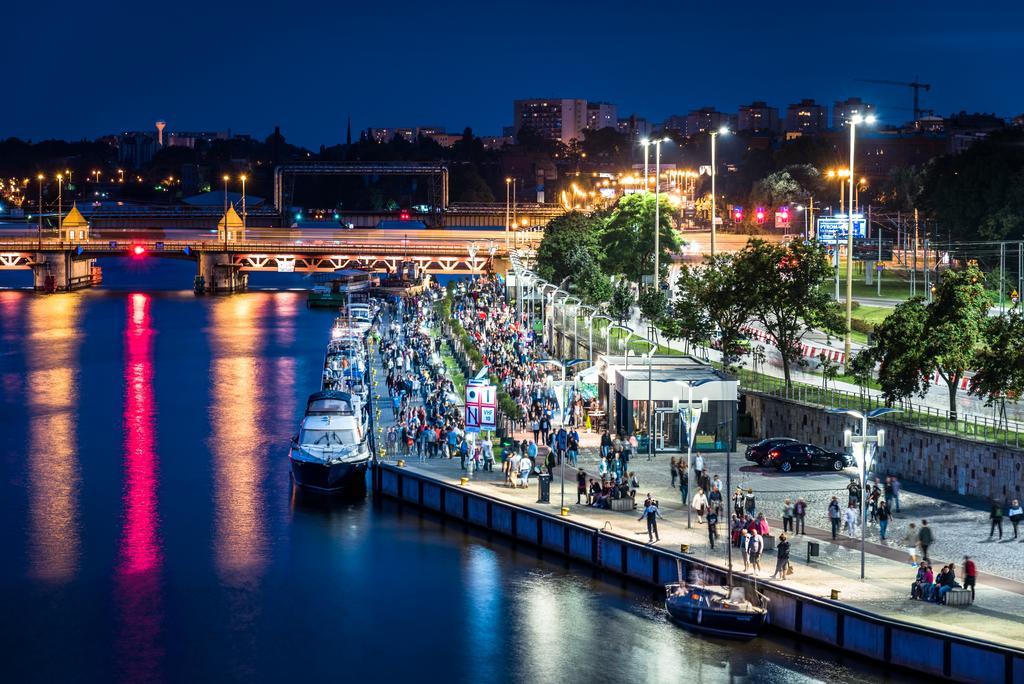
<point>996,517</point>
<point>970,575</point>
<point>1016,514</point>
<point>896,492</point>
<point>745,549</point>
<point>698,467</point>
<point>673,467</point>
<point>652,514</point>
<point>925,538</point>
<point>781,558</point>
<point>787,515</point>
<point>833,516</point>
<point>756,549</point>
<point>799,512</point>
<point>712,527</point>
<point>910,544</point>
<point>700,504</point>
<point>850,518</point>
<point>883,519</point>
<point>581,485</point>
<point>750,503</point>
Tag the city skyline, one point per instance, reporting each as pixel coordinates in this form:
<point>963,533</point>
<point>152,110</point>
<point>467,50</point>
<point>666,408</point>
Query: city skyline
<point>309,83</point>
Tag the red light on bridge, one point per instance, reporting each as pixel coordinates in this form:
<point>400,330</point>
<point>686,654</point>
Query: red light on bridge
<point>403,215</point>
<point>138,250</point>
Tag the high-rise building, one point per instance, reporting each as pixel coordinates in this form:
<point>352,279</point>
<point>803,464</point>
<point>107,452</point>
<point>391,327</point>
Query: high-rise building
<point>602,115</point>
<point>758,117</point>
<point>636,128</point>
<point>190,138</point>
<point>554,119</point>
<point>703,120</point>
<point>383,135</point>
<point>806,117</point>
<point>847,109</point>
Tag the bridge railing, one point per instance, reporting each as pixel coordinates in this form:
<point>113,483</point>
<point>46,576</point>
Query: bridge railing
<point>319,248</point>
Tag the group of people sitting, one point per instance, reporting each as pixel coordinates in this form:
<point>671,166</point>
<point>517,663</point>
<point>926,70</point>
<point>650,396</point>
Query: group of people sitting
<point>600,494</point>
<point>928,586</point>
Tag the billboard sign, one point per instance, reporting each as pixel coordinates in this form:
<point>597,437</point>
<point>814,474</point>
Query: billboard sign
<point>834,229</point>
<point>481,407</point>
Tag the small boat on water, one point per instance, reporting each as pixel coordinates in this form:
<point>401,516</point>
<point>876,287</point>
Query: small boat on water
<point>340,288</point>
<point>715,609</point>
<point>330,453</point>
<point>409,278</point>
<point>725,610</point>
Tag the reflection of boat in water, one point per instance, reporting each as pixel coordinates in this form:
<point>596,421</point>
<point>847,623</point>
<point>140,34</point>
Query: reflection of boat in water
<point>330,453</point>
<point>337,289</point>
<point>715,609</point>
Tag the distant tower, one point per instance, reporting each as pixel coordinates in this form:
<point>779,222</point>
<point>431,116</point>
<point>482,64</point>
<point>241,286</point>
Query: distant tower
<point>348,132</point>
<point>160,126</point>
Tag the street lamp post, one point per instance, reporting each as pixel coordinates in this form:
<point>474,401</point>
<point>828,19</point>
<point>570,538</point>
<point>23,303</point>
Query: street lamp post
<point>226,178</point>
<point>508,195</point>
<point>657,206</point>
<point>39,178</point>
<point>714,172</point>
<point>60,208</point>
<point>243,177</point>
<point>859,444</point>
<point>646,143</point>
<point>691,433</point>
<point>857,119</point>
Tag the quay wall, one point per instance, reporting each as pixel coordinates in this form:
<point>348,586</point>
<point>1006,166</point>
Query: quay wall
<point>991,471</point>
<point>858,632</point>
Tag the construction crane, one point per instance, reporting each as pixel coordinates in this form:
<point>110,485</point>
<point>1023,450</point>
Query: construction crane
<point>915,85</point>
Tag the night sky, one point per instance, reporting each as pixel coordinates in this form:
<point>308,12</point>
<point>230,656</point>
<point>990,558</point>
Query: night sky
<point>85,69</point>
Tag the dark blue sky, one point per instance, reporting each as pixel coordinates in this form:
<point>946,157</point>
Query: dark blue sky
<point>83,69</point>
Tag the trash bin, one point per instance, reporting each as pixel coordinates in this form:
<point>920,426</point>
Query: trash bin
<point>544,488</point>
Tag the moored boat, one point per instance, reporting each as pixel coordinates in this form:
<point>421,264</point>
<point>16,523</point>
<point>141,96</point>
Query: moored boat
<point>330,453</point>
<point>715,609</point>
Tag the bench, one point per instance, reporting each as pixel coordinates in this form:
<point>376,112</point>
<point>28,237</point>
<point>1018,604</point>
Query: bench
<point>622,504</point>
<point>959,597</point>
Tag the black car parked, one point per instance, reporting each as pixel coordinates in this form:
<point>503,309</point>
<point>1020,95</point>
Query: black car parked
<point>789,456</point>
<point>758,451</point>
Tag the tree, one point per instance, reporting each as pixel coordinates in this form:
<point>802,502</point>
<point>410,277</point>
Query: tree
<point>713,297</point>
<point>788,290</point>
<point>979,194</point>
<point>621,302</point>
<point>571,249</point>
<point>898,347</point>
<point>654,307</point>
<point>628,237</point>
<point>957,317</point>
<point>862,367</point>
<point>999,364</point>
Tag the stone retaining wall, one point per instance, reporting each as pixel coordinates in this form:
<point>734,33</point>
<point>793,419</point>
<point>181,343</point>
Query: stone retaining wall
<point>929,458</point>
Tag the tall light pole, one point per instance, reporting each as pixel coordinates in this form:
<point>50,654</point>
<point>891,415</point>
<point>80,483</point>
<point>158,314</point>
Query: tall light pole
<point>508,195</point>
<point>657,207</point>
<point>857,119</point>
<point>226,178</point>
<point>714,172</point>
<point>39,178</point>
<point>647,144</point>
<point>60,208</point>
<point>243,177</point>
<point>514,218</point>
<point>859,444</point>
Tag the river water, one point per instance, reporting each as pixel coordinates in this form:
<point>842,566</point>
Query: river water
<point>150,531</point>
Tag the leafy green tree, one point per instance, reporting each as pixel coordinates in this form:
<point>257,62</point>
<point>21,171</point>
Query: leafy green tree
<point>999,364</point>
<point>788,186</point>
<point>862,368</point>
<point>788,290</point>
<point>979,194</point>
<point>654,305</point>
<point>898,347</point>
<point>571,249</point>
<point>956,322</point>
<point>628,237</point>
<point>621,302</point>
<point>714,298</point>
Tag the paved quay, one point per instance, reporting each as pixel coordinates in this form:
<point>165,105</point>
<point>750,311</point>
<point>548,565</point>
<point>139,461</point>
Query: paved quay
<point>997,615</point>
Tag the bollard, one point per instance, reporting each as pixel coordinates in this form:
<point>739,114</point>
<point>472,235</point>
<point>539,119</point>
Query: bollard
<point>685,548</point>
<point>565,511</point>
<point>400,462</point>
<point>463,481</point>
<point>835,594</point>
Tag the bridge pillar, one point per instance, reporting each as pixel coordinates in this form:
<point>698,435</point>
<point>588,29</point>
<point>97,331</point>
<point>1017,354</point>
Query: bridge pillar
<point>219,274</point>
<point>59,272</point>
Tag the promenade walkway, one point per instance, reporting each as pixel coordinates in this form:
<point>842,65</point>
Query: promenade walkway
<point>996,616</point>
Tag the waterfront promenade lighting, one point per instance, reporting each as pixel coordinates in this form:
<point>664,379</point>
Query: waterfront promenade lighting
<point>244,178</point>
<point>724,130</point>
<point>40,178</point>
<point>657,217</point>
<point>60,207</point>
<point>853,122</point>
<point>859,446</point>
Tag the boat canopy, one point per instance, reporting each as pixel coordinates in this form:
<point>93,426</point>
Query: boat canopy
<point>329,401</point>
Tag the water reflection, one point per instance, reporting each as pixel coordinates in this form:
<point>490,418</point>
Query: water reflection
<point>484,592</point>
<point>286,307</point>
<point>139,558</point>
<point>236,440</point>
<point>51,392</point>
